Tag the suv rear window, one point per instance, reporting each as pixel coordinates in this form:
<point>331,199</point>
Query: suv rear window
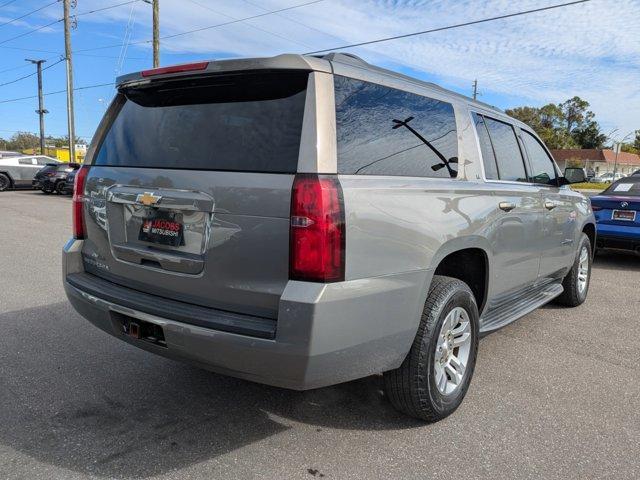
<point>241,122</point>
<point>385,131</point>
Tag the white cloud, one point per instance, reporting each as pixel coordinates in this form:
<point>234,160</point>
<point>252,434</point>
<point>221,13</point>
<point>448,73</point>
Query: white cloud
<point>591,50</point>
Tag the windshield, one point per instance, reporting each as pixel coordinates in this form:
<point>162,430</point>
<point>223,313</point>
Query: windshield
<point>624,187</point>
<point>239,122</point>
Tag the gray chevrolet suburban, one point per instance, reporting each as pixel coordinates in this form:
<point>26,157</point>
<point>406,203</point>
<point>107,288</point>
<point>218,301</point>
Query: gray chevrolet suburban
<point>302,221</point>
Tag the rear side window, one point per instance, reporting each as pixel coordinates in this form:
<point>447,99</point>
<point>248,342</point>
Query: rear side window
<point>385,131</point>
<point>43,161</point>
<point>488,157</point>
<point>507,151</point>
<point>241,122</point>
<point>542,168</point>
<point>25,161</point>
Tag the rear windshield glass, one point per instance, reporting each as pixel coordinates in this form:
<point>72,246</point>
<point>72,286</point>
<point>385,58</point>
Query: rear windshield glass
<point>241,122</point>
<point>624,187</point>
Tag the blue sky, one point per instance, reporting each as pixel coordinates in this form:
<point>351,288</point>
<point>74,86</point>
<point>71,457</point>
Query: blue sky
<point>591,50</point>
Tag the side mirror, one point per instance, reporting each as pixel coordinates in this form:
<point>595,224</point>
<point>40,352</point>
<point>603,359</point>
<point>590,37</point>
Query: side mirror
<point>574,175</point>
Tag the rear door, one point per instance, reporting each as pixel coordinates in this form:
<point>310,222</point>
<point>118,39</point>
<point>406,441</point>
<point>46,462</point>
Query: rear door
<point>189,189</point>
<point>27,168</point>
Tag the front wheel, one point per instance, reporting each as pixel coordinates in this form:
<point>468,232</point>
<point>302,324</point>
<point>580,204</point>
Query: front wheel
<point>435,376</point>
<point>5,182</point>
<point>576,283</point>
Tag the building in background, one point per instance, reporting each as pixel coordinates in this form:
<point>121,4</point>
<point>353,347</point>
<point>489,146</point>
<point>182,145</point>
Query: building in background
<point>600,161</point>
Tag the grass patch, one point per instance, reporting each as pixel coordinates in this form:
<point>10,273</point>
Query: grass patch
<point>591,186</point>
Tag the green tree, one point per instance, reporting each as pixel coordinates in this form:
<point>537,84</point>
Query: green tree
<point>589,135</point>
<point>575,113</point>
<point>22,141</point>
<point>564,125</point>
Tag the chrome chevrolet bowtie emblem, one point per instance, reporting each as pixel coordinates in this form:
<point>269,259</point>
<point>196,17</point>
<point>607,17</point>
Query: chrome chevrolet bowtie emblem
<point>148,198</point>
<point>624,204</point>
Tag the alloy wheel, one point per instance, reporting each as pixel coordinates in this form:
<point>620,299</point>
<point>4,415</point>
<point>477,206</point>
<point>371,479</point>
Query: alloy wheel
<point>583,270</point>
<point>452,351</point>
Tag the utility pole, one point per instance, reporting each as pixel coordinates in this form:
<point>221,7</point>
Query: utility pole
<point>66,5</point>
<point>155,4</point>
<point>475,89</point>
<point>41,110</point>
<point>156,33</point>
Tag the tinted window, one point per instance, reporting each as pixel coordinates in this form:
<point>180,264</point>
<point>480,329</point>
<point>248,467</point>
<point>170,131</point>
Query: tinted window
<point>384,131</point>
<point>507,150</point>
<point>42,160</point>
<point>625,187</point>
<point>25,161</point>
<point>242,122</point>
<point>488,158</point>
<point>542,169</point>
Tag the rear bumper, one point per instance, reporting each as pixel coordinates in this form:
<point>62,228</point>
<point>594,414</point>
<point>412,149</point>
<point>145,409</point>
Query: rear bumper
<point>325,333</point>
<point>618,236</point>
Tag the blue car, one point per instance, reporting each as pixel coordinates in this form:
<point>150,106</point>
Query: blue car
<point>617,212</point>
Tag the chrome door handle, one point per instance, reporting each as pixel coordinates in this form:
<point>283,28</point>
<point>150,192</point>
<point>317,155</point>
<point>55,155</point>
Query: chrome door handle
<point>550,205</point>
<point>506,206</point>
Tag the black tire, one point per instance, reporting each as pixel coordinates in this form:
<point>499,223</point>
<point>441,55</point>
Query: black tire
<point>573,295</point>
<point>412,388</point>
<point>47,190</point>
<point>5,182</point>
<point>60,188</point>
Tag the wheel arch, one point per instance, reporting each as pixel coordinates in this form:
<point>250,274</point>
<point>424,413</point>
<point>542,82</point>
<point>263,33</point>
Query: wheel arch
<point>467,259</point>
<point>589,229</point>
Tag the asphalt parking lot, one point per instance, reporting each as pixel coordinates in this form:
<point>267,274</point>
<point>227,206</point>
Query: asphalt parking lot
<point>555,395</point>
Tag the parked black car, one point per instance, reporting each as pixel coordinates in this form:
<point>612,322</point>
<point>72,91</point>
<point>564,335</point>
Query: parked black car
<point>51,178</point>
<point>67,187</point>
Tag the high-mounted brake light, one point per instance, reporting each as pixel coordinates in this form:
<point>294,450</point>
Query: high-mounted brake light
<point>78,202</point>
<point>317,231</point>
<point>185,67</point>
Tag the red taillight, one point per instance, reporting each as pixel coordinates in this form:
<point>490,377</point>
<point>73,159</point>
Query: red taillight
<point>317,233</point>
<point>78,202</point>
<point>185,67</point>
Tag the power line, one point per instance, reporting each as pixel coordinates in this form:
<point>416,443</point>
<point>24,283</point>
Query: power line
<point>27,14</point>
<point>271,12</point>
<point>58,92</point>
<point>30,31</point>
<point>17,67</point>
<point>30,75</point>
<point>449,27</point>
<point>7,3</point>
<point>54,22</point>
<point>284,37</point>
<point>106,8</point>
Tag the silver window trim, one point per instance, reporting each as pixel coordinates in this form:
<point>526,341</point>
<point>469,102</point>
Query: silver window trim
<point>473,110</point>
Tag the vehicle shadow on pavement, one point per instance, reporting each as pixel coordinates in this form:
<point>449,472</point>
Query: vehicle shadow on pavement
<point>617,260</point>
<point>76,398</point>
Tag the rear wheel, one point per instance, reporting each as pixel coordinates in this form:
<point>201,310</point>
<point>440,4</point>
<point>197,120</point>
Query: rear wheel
<point>5,182</point>
<point>434,378</point>
<point>576,283</point>
<point>60,188</point>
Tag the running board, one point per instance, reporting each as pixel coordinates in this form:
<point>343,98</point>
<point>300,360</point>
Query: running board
<point>505,312</point>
